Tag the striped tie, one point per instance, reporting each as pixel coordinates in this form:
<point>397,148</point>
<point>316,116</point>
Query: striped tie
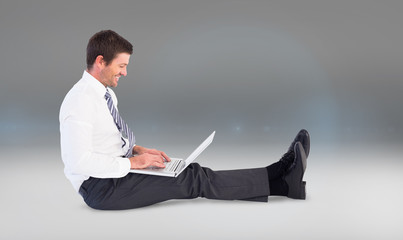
<point>120,124</point>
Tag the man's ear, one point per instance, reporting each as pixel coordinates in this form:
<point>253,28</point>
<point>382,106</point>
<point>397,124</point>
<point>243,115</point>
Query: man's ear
<point>99,61</point>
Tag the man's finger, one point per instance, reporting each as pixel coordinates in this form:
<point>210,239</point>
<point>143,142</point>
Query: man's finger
<point>166,156</point>
<point>159,164</point>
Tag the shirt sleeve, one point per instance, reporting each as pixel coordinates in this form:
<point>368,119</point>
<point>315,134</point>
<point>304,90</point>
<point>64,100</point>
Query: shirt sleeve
<point>76,140</point>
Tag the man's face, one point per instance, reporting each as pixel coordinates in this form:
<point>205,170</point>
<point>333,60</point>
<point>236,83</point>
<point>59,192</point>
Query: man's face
<point>111,73</point>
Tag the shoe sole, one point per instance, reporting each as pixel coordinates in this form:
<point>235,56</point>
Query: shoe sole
<point>297,187</point>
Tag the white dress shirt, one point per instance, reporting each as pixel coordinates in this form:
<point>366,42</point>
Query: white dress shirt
<point>91,144</point>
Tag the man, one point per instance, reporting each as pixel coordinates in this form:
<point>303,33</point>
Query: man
<point>98,148</point>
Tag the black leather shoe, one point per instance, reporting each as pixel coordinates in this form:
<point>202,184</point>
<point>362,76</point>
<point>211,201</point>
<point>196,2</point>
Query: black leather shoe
<point>296,187</point>
<point>304,139</point>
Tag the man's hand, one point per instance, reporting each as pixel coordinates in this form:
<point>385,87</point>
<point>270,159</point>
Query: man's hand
<point>146,160</point>
<point>141,150</point>
<point>148,157</point>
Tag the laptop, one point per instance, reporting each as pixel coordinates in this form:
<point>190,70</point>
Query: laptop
<point>176,165</point>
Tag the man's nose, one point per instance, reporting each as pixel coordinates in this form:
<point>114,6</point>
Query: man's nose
<point>124,72</point>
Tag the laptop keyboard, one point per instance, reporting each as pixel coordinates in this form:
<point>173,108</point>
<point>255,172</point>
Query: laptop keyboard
<point>173,165</point>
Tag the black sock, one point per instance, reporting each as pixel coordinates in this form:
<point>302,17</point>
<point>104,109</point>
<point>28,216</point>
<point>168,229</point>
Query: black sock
<point>278,187</point>
<point>279,168</point>
<point>276,170</point>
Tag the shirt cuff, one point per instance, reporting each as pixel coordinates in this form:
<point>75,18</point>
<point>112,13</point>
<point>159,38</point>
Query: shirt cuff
<point>124,165</point>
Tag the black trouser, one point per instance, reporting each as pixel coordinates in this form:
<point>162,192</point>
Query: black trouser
<point>139,190</point>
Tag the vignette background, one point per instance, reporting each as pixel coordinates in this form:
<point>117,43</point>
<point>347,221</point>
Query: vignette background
<point>254,71</point>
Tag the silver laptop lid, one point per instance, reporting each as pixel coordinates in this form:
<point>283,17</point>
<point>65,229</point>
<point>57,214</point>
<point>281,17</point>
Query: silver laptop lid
<point>198,150</point>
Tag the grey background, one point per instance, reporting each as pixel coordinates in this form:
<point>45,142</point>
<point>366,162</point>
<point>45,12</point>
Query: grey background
<point>254,71</point>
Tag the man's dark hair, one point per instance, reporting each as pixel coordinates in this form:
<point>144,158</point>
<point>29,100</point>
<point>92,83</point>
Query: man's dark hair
<point>108,44</point>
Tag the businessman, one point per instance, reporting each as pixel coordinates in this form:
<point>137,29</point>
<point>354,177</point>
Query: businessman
<point>98,148</point>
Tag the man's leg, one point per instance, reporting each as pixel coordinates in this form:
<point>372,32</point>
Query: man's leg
<point>138,190</point>
<point>282,178</point>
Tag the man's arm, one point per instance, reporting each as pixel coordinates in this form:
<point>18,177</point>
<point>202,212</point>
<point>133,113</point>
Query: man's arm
<point>77,153</point>
<point>77,142</point>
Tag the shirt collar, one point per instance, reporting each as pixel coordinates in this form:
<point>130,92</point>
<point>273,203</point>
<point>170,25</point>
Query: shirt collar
<point>97,85</point>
